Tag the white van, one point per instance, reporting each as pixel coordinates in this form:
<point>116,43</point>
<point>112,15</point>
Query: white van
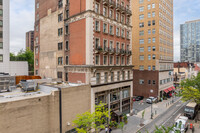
<point>181,124</point>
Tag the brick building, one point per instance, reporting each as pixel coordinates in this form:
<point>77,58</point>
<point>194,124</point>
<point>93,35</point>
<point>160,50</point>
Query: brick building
<point>30,40</point>
<point>87,41</point>
<point>152,46</point>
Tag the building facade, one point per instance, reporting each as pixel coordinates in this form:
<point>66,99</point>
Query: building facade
<point>7,66</point>
<point>87,41</point>
<point>30,40</point>
<point>190,41</point>
<point>152,45</point>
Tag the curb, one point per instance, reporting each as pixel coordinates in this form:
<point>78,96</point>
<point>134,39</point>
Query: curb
<point>157,115</point>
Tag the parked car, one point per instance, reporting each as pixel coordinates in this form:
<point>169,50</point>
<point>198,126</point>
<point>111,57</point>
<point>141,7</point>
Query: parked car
<point>138,98</point>
<point>181,125</point>
<point>134,98</point>
<point>151,100</point>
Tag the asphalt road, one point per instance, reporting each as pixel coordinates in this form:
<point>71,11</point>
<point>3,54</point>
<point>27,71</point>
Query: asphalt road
<point>139,105</point>
<point>166,119</point>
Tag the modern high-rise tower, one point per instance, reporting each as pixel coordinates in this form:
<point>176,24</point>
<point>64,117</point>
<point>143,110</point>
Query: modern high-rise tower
<point>190,41</point>
<point>152,45</point>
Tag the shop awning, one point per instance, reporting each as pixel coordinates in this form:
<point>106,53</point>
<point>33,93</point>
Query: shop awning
<point>166,90</point>
<point>173,88</point>
<point>169,89</point>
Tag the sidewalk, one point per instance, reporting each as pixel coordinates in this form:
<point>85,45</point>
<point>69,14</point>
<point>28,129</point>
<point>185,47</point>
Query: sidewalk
<point>134,121</point>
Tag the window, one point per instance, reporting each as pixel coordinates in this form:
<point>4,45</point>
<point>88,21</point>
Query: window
<point>36,62</point>
<point>105,60</point>
<point>1,58</point>
<point>149,82</point>
<point>97,43</point>
<point>66,76</point>
<point>97,25</point>
<point>141,68</point>
<point>141,33</point>
<point>153,68</point>
<point>154,82</point>
<point>141,9</point>
<point>122,19</point>
<point>153,39</point>
<point>37,16</point>
<point>128,74</point>
<point>1,45</point>
<point>141,24</point>
<point>117,16</point>
<point>1,23</point>
<point>60,46</point>
<point>153,14</point>
<point>1,2</point>
<point>141,81</point>
<point>127,35</point>
<point>105,77</point>
<point>36,50</point>
<point>60,60</point>
<point>60,4</point>
<point>141,1</point>
<point>141,41</point>
<point>117,31</point>
<point>105,11</point>
<point>118,75</point>
<point>122,33</point>
<point>98,78</point>
<point>149,68</point>
<point>105,28</point>
<point>149,32</point>
<point>153,5</point>
<point>67,60</point>
<point>149,23</point>
<point>111,30</point>
<point>153,57</point>
<point>153,48</point>
<point>105,45</point>
<point>149,49</point>
<point>128,60</point>
<point>97,60</point>
<point>141,49</point>
<point>117,60</point>
<point>141,17</point>
<point>153,22</point>
<point>96,7</point>
<point>60,31</point>
<point>59,75</point>
<point>141,57</point>
<point>111,14</point>
<point>149,57</point>
<point>67,14</point>
<point>153,31</point>
<point>149,15</point>
<point>122,60</point>
<point>149,40</point>
<point>111,60</point>
<point>123,75</point>
<point>67,45</point>
<point>36,72</point>
<point>112,76</point>
<point>149,7</point>
<point>36,27</point>
<point>60,17</point>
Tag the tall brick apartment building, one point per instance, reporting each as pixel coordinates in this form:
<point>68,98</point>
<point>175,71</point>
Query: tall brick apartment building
<point>152,47</point>
<point>87,41</point>
<point>30,40</point>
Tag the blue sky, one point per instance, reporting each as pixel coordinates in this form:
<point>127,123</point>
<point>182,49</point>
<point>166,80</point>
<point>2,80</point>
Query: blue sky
<point>22,20</point>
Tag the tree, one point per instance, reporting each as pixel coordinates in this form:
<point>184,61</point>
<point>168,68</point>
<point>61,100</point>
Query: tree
<point>121,126</point>
<point>98,120</point>
<point>191,89</point>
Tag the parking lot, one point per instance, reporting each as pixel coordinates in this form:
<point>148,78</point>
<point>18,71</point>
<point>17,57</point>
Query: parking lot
<point>140,105</point>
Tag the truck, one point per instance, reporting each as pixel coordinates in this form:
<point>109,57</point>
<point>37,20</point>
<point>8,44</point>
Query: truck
<point>181,124</point>
<point>191,109</point>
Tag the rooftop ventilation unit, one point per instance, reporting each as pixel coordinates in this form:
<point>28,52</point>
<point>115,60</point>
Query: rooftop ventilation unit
<point>28,85</point>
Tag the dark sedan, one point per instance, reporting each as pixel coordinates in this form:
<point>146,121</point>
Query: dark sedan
<point>138,98</point>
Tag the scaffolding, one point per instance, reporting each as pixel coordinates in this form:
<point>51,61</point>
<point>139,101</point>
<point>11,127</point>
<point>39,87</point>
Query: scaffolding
<point>7,82</point>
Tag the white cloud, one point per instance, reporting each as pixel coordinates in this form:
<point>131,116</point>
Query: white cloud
<point>21,21</point>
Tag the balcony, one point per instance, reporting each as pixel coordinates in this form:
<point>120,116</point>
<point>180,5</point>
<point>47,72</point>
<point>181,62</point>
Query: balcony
<point>128,12</point>
<point>123,9</point>
<point>111,50</point>
<point>128,52</point>
<point>117,51</point>
<point>98,49</point>
<point>122,52</point>
<point>105,50</point>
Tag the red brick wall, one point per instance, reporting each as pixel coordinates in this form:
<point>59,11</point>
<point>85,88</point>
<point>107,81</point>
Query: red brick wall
<point>74,77</point>
<point>77,6</point>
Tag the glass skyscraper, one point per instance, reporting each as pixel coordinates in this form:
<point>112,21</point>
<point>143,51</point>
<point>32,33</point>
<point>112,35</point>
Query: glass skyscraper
<point>190,41</point>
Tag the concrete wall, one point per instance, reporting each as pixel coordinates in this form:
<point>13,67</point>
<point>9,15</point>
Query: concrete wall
<point>40,114</point>
<point>18,68</point>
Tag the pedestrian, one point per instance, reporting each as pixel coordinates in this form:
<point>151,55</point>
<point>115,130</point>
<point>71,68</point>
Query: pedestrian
<point>110,130</point>
<point>106,130</point>
<point>192,129</point>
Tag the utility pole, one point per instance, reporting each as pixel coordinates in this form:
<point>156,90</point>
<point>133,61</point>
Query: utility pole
<point>151,109</point>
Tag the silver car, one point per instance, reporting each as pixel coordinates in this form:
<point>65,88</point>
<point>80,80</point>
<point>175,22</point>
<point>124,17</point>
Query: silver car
<point>151,100</point>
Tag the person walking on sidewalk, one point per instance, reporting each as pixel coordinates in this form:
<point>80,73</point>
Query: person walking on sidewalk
<point>106,130</point>
<point>110,130</point>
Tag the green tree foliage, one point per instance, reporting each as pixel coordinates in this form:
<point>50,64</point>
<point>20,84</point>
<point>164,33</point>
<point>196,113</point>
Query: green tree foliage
<point>98,120</point>
<point>191,89</point>
<point>27,55</point>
